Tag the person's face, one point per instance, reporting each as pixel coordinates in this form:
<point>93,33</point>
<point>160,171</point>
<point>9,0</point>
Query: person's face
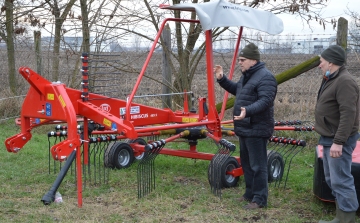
<point>324,65</point>
<point>245,63</point>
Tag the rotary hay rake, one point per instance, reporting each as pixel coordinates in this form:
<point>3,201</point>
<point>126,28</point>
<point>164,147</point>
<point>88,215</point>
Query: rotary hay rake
<point>115,135</point>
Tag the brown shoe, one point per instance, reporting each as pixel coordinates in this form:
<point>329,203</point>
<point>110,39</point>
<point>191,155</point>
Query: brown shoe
<point>252,205</point>
<point>242,199</point>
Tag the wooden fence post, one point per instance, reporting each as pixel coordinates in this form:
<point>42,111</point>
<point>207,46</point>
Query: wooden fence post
<point>342,33</point>
<point>166,69</point>
<point>37,42</point>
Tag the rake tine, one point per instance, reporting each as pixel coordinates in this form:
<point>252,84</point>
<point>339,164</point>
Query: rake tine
<point>161,145</point>
<point>213,169</point>
<point>91,151</point>
<point>138,176</point>
<point>105,144</point>
<point>144,174</point>
<point>288,169</point>
<point>212,175</point>
<point>141,173</point>
<point>94,159</point>
<point>54,162</point>
<point>283,150</point>
<point>49,155</point>
<point>156,152</point>
<point>218,162</point>
<point>216,166</point>
<point>150,169</point>
<point>83,166</point>
<point>99,157</point>
<point>146,168</point>
<point>103,156</point>
<point>296,151</point>
<point>224,157</point>
<point>278,181</point>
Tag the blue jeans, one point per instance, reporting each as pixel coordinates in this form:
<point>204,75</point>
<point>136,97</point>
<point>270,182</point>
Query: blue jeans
<point>338,173</point>
<point>253,157</point>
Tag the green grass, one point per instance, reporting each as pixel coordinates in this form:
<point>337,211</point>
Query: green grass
<point>182,192</point>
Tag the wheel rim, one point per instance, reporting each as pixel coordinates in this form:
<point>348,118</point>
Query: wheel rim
<point>275,168</point>
<point>124,157</point>
<point>139,157</point>
<point>141,142</point>
<point>228,177</point>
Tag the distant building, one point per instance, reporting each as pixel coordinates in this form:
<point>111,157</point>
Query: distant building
<point>74,43</point>
<point>313,46</point>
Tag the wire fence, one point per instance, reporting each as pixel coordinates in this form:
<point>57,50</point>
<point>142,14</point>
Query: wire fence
<point>116,73</point>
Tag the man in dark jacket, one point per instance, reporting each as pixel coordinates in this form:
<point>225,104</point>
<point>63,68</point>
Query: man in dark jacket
<point>337,122</point>
<point>253,121</point>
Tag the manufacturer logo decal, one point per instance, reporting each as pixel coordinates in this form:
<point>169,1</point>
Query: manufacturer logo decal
<point>105,107</point>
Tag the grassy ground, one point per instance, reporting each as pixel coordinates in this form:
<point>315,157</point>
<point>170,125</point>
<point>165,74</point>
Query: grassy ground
<point>182,192</point>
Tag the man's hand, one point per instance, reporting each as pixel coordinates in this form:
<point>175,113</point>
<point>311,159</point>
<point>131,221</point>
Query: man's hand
<point>242,114</point>
<point>335,150</point>
<point>218,70</point>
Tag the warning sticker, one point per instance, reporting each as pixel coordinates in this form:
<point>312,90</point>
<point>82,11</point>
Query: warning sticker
<point>107,122</point>
<point>187,119</point>
<point>61,99</point>
<point>50,97</point>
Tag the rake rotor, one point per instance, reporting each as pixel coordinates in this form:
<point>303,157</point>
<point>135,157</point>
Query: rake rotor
<point>146,168</point>
<point>225,150</point>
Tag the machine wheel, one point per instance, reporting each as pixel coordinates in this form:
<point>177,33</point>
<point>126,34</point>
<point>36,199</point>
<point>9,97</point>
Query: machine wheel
<point>275,166</point>
<point>119,156</point>
<point>140,141</point>
<point>107,161</point>
<point>227,180</point>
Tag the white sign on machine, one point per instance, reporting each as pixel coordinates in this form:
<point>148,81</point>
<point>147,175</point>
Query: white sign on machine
<point>133,110</point>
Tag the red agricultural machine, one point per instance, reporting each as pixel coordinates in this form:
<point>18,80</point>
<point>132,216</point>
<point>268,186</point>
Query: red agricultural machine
<point>127,123</point>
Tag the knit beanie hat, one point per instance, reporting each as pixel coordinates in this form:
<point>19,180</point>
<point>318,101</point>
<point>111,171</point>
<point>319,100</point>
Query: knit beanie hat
<point>250,51</point>
<point>334,54</point>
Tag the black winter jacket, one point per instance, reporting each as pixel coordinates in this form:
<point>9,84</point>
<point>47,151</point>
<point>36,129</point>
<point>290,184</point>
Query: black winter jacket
<point>255,91</point>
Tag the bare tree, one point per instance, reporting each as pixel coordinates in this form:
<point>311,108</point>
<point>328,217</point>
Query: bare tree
<point>10,26</point>
<point>85,26</point>
<point>110,21</point>
<point>354,30</point>
<point>59,18</point>
<point>189,51</point>
<point>9,38</point>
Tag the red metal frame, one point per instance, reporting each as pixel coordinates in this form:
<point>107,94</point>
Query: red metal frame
<point>232,68</point>
<point>48,102</point>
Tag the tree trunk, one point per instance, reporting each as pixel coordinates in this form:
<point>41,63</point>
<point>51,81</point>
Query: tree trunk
<point>282,77</point>
<point>293,72</point>
<point>166,71</point>
<point>59,20</point>
<point>342,33</point>
<point>85,26</point>
<point>9,12</point>
<point>37,41</point>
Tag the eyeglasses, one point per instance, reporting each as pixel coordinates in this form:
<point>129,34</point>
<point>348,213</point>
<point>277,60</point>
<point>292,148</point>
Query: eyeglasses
<point>242,60</point>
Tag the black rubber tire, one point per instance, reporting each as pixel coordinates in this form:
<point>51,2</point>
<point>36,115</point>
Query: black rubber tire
<point>119,156</point>
<point>107,161</point>
<point>275,166</point>
<point>227,180</point>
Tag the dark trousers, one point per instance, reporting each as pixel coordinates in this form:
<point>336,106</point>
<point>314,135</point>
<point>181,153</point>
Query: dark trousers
<point>338,173</point>
<point>253,157</point>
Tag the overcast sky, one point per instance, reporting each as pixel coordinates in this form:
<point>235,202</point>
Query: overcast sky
<point>335,8</point>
